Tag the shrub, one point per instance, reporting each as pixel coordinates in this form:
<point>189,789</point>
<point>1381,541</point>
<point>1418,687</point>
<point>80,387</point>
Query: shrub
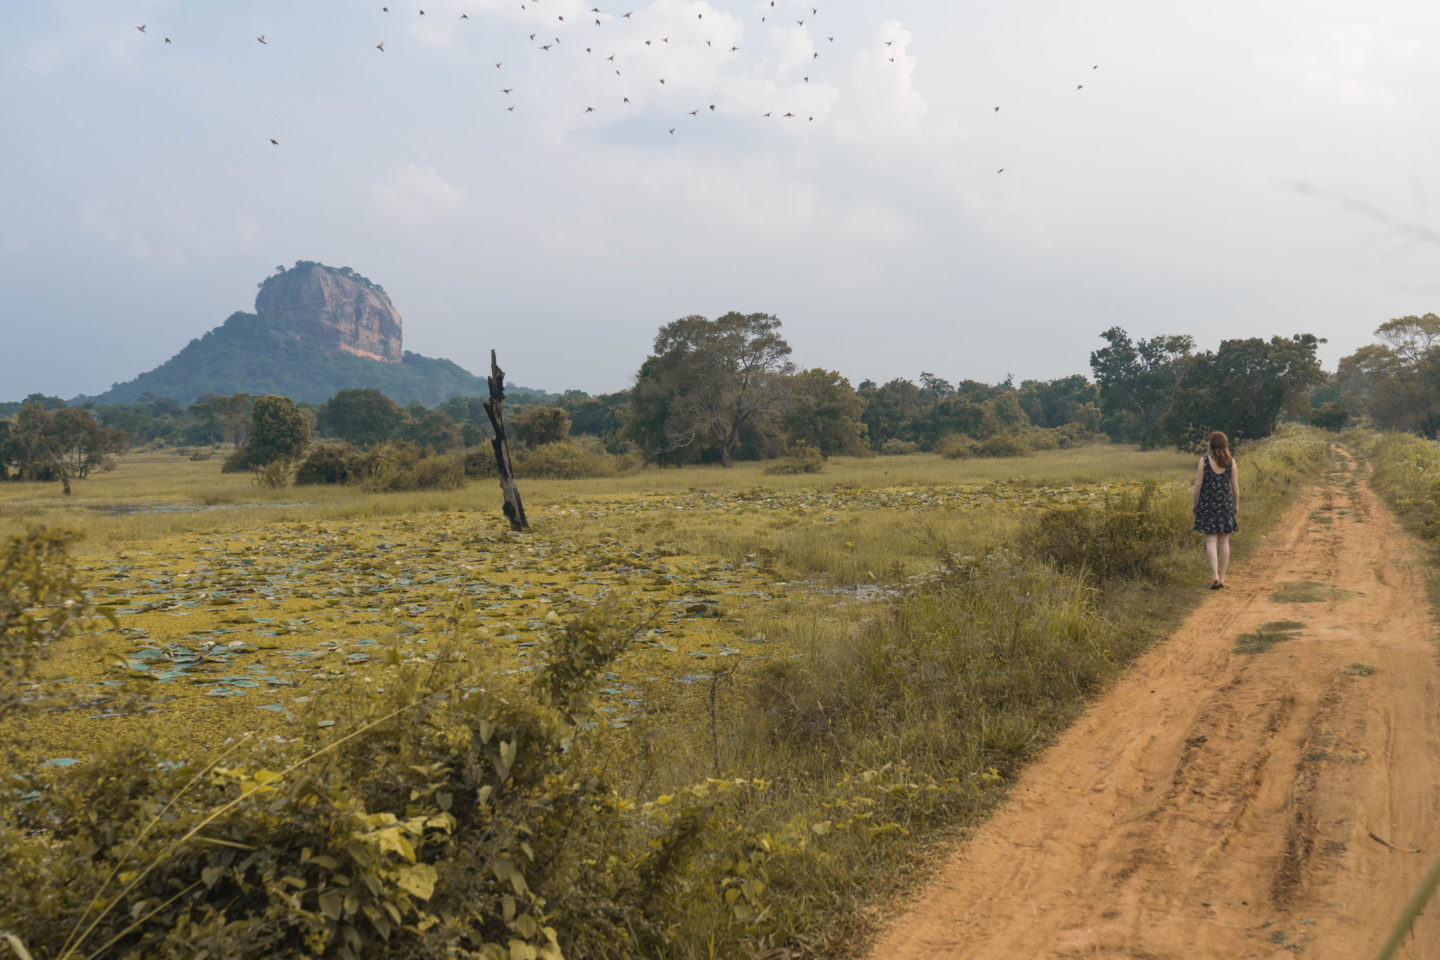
<point>566,460</point>
<point>328,463</point>
<point>803,460</point>
<point>480,462</point>
<point>273,475</point>
<point>956,446</point>
<point>1003,445</point>
<point>1119,538</point>
<point>895,447</point>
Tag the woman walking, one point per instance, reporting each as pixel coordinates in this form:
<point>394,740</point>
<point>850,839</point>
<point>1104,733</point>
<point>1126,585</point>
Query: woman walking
<point>1216,503</point>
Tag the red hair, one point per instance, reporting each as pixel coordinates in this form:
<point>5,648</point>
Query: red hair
<point>1220,450</point>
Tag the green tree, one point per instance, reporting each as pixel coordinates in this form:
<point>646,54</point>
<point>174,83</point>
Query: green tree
<point>279,432</point>
<point>719,378</point>
<point>362,416</point>
<point>1397,382</point>
<point>57,444</point>
<point>536,426</point>
<point>1054,403</point>
<point>1242,388</point>
<point>1136,382</point>
<point>893,411</point>
<point>825,413</point>
<point>432,429</point>
<point>600,416</point>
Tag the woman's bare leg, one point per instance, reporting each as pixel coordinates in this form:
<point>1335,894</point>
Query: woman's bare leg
<point>1222,550</point>
<point>1212,553</point>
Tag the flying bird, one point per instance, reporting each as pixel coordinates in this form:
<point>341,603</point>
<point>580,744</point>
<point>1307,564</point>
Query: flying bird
<point>380,46</point>
<point>507,89</point>
<point>672,131</point>
<point>261,38</point>
<point>167,39</point>
<point>141,28</point>
<point>695,112</point>
<point>274,141</point>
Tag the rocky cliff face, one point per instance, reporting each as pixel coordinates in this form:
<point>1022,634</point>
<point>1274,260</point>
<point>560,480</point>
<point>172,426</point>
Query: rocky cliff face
<point>347,314</point>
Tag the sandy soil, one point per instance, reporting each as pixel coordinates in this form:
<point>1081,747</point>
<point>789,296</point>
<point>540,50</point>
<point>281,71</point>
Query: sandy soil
<point>1230,805</point>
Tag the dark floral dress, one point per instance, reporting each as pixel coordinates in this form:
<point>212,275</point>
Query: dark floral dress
<point>1215,509</point>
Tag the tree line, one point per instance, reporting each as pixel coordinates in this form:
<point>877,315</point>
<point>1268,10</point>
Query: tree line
<point>717,391</point>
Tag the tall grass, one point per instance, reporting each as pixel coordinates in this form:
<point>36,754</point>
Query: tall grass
<point>758,818</point>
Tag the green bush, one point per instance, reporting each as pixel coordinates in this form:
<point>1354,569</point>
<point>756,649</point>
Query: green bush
<point>480,462</point>
<point>327,463</point>
<point>1003,445</point>
<point>565,460</point>
<point>956,446</point>
<point>1123,537</point>
<point>895,447</point>
<point>803,460</point>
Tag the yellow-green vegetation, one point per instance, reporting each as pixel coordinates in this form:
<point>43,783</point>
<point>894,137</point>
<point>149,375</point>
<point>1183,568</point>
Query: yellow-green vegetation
<point>1265,637</point>
<point>694,713</point>
<point>1306,591</point>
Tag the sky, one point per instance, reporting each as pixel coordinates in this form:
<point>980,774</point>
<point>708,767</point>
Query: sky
<point>1227,169</point>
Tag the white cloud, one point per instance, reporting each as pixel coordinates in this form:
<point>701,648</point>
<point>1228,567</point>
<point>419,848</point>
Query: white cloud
<point>880,99</point>
<point>418,197</point>
<point>1346,68</point>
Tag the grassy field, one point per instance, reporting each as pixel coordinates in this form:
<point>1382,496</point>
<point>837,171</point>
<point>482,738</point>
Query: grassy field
<point>812,677</point>
<point>235,600</point>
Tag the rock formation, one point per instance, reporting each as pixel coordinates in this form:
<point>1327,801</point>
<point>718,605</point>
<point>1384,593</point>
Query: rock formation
<point>337,307</point>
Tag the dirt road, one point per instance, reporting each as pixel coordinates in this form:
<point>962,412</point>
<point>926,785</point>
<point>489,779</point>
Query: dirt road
<point>1223,804</point>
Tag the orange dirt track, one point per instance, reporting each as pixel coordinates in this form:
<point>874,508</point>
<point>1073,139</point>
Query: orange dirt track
<point>1229,805</point>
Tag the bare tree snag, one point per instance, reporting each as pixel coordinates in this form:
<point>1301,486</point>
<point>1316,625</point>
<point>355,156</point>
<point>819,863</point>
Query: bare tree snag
<point>495,410</point>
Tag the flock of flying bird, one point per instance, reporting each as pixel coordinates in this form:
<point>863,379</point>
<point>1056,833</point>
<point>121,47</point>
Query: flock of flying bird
<point>545,45</point>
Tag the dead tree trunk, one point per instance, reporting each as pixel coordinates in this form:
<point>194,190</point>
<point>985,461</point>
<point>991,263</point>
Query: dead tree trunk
<point>495,410</point>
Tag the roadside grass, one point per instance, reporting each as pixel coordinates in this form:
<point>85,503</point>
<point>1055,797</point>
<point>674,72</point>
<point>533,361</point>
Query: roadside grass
<point>767,806</point>
<point>1306,591</point>
<point>1265,637</point>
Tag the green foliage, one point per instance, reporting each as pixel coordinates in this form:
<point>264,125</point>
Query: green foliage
<point>279,432</point>
<point>362,416</point>
<point>433,430</point>
<point>803,459</point>
<point>45,444</point>
<point>1136,381</point>
<point>535,426</point>
<point>711,379</point>
<point>327,463</point>
<point>1242,387</point>
<point>824,413</point>
<point>1396,382</point>
<point>1330,416</point>
<point>568,460</point>
<point>1126,537</point>
<point>1003,445</point>
<point>40,602</point>
<point>1407,475</point>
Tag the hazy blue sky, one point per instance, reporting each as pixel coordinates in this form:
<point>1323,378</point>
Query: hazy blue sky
<point>143,200</point>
